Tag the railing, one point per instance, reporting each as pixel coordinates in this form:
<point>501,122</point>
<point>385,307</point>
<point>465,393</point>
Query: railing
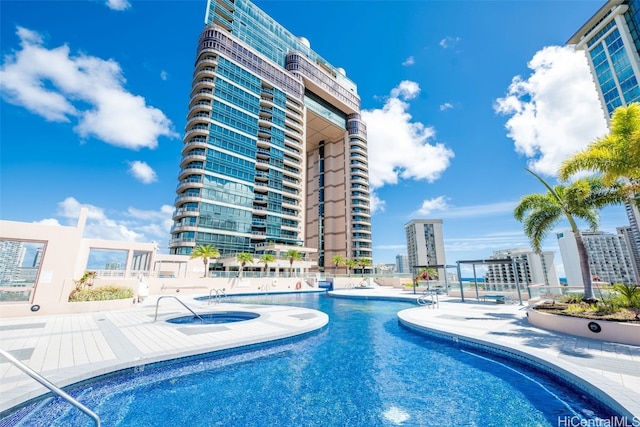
<point>220,293</point>
<point>48,384</point>
<point>183,304</point>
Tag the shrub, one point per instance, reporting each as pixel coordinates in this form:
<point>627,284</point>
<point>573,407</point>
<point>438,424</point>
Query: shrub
<point>101,293</point>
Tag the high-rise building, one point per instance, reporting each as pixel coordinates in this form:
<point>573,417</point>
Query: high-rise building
<point>425,244</point>
<point>611,41</point>
<point>634,253</point>
<point>275,153</point>
<point>11,258</point>
<point>402,263</point>
<point>609,258</point>
<point>531,268</point>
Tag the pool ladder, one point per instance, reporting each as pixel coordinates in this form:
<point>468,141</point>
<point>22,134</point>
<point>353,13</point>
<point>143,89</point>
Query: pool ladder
<point>219,294</point>
<point>430,299</point>
<point>48,384</point>
<point>183,304</point>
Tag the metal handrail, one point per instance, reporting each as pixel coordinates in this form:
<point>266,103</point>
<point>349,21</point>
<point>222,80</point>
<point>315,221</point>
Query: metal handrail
<point>183,304</point>
<point>48,384</point>
<point>219,294</point>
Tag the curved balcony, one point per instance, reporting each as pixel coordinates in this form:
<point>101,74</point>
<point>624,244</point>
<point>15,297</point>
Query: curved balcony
<point>199,107</point>
<point>199,114</point>
<point>192,157</point>
<point>264,132</point>
<point>266,102</point>
<point>193,144</point>
<point>259,211</point>
<point>193,170</point>
<point>206,61</point>
<point>205,72</point>
<point>358,172</point>
<point>199,118</point>
<point>177,228</point>
<point>185,212</point>
<point>264,142</point>
<point>202,83</point>
<point>262,165</point>
<point>185,185</point>
<point>202,94</point>
<point>174,243</point>
<point>186,198</point>
<point>197,131</point>
<point>360,220</point>
<point>293,133</point>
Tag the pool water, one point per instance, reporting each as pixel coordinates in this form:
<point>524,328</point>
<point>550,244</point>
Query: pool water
<point>362,370</point>
<point>214,318</point>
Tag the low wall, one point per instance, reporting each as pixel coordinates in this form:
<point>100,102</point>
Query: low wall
<point>620,332</point>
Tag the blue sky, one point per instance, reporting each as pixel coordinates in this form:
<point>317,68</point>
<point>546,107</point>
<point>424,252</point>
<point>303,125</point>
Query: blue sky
<point>459,96</point>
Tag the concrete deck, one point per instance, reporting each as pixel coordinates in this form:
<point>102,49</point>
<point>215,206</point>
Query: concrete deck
<point>70,348</point>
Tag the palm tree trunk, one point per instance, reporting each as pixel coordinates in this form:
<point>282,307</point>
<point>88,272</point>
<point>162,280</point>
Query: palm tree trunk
<point>583,256</point>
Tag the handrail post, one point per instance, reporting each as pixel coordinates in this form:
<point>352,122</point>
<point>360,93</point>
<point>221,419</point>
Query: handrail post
<point>48,384</point>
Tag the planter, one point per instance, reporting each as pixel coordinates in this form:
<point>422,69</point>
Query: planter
<point>95,306</point>
<point>604,330</point>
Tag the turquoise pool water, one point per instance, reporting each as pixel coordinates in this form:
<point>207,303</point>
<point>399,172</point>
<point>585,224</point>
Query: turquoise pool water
<point>362,370</point>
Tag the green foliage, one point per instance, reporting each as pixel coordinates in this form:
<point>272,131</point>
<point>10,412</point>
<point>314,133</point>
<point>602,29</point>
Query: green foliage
<point>205,252</point>
<point>101,293</point>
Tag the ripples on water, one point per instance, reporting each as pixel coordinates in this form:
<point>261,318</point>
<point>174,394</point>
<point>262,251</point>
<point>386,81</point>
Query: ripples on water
<point>362,370</point>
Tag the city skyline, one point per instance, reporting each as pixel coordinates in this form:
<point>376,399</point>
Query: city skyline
<point>456,110</point>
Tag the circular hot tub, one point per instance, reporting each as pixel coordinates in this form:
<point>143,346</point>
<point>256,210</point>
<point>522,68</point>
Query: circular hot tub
<point>215,318</point>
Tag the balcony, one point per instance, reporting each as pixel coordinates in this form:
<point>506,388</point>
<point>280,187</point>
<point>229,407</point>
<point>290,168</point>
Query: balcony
<point>184,212</point>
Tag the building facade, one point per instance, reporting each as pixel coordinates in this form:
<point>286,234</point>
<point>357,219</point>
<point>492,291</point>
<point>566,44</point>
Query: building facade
<point>609,258</point>
<point>531,268</point>
<point>402,263</point>
<point>611,41</point>
<point>274,153</point>
<point>425,244</point>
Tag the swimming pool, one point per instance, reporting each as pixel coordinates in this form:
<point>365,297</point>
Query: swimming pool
<point>362,370</point>
<point>214,318</point>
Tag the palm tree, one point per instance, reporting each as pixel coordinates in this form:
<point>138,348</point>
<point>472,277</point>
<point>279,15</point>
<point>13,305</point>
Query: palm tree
<point>351,264</point>
<point>206,252</point>
<point>265,259</point>
<point>362,263</point>
<point>292,255</point>
<point>581,199</point>
<point>243,258</point>
<point>337,261</point>
<point>616,156</point>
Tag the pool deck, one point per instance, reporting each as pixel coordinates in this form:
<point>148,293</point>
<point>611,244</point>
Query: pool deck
<point>70,348</point>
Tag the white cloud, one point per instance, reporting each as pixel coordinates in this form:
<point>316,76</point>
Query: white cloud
<point>132,225</point>
<point>48,221</point>
<point>118,4</point>
<point>377,204</point>
<point>409,61</point>
<point>443,209</point>
<point>449,42</point>
<point>142,172</point>
<point>430,206</point>
<point>446,106</point>
<point>164,75</point>
<point>555,112</point>
<point>58,86</point>
<point>392,136</point>
<point>406,90</point>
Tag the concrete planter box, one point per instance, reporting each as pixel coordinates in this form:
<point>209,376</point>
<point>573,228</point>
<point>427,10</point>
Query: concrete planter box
<point>95,306</point>
<point>620,332</point>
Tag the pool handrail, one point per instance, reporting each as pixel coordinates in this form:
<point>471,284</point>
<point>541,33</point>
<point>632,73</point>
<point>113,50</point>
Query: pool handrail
<point>177,299</point>
<point>48,384</point>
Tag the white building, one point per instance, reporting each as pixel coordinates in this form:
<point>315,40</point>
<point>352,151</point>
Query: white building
<point>425,243</point>
<point>609,258</point>
<point>531,268</point>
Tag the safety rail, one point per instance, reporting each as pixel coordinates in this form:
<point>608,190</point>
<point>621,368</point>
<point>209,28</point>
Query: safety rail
<point>220,293</point>
<point>430,298</point>
<point>48,384</point>
<point>183,304</point>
